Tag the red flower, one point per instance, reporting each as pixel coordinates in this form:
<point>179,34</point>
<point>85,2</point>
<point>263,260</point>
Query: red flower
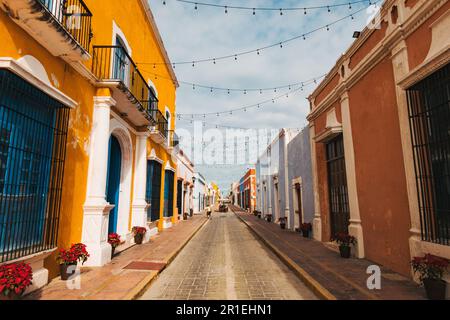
<point>429,267</point>
<point>114,239</point>
<point>77,252</point>
<point>15,277</point>
<point>139,230</point>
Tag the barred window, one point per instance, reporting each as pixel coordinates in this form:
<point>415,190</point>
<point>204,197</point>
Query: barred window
<point>33,130</point>
<point>429,112</point>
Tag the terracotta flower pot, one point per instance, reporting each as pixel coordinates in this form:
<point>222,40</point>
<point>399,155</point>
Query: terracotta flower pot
<point>435,289</point>
<point>67,270</point>
<point>138,238</point>
<point>269,218</point>
<point>345,251</point>
<point>283,225</point>
<point>305,233</point>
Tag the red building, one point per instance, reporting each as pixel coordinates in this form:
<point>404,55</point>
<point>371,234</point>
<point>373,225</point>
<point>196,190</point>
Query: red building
<point>247,191</point>
<point>380,125</point>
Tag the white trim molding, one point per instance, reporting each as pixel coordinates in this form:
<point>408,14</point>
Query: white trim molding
<point>31,70</point>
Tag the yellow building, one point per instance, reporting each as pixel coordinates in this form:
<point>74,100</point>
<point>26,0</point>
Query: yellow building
<point>86,137</point>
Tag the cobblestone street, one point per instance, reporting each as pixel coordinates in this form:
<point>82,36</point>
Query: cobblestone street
<point>224,261</point>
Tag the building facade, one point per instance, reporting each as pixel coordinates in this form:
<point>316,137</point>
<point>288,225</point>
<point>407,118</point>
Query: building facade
<point>247,191</point>
<point>200,192</point>
<point>86,136</point>
<point>185,184</point>
<point>379,127</point>
<point>284,179</point>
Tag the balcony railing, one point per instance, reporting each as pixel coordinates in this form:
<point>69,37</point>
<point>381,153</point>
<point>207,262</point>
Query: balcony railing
<point>173,139</point>
<point>74,16</point>
<point>161,123</point>
<point>114,64</point>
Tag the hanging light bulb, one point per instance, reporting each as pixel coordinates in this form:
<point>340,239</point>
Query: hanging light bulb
<point>195,6</point>
<point>254,12</point>
<point>281,12</point>
<point>226,9</point>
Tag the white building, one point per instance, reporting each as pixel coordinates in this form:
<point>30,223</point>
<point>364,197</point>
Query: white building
<point>185,184</point>
<point>200,193</point>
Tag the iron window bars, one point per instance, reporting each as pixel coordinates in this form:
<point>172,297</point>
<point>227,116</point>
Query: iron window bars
<point>429,114</point>
<point>74,16</point>
<point>32,154</point>
<point>337,185</point>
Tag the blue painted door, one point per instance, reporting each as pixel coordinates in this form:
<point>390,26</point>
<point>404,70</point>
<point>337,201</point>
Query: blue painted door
<point>113,181</point>
<point>168,193</point>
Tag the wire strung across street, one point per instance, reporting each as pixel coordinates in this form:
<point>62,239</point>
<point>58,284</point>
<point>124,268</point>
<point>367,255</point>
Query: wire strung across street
<point>244,108</point>
<point>254,9</point>
<point>280,44</point>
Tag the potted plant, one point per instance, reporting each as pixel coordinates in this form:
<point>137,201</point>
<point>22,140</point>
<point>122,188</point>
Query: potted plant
<point>269,217</point>
<point>306,229</point>
<point>345,241</point>
<point>431,269</point>
<point>14,279</point>
<point>139,233</point>
<point>185,216</point>
<point>283,222</point>
<point>114,241</point>
<point>68,259</point>
<point>259,214</point>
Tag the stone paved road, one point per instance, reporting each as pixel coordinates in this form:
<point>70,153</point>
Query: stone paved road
<point>224,261</point>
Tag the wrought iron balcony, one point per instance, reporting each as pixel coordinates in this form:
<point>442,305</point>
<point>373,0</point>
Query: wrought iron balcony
<point>160,129</point>
<point>63,27</point>
<point>114,68</point>
<point>173,140</point>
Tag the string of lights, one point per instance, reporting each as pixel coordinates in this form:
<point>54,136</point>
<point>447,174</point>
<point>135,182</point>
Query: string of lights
<point>304,9</point>
<point>230,90</point>
<point>258,51</point>
<point>247,107</point>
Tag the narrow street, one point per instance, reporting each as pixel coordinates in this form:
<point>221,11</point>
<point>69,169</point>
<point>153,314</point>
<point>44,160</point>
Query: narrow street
<point>225,261</point>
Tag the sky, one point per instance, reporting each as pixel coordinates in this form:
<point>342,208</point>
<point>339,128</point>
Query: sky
<point>208,32</point>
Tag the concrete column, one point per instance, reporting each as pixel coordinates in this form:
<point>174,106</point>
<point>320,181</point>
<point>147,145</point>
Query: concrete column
<point>401,69</point>
<point>317,221</point>
<point>269,181</point>
<point>96,209</point>
<point>140,206</point>
<point>286,179</point>
<point>355,228</point>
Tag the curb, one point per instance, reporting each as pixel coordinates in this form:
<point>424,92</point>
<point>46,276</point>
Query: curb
<point>310,282</point>
<point>142,286</point>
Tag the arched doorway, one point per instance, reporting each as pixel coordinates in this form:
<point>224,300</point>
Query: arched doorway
<point>113,181</point>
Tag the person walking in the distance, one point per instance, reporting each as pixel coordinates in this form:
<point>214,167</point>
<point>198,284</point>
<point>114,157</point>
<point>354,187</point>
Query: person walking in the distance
<point>208,212</point>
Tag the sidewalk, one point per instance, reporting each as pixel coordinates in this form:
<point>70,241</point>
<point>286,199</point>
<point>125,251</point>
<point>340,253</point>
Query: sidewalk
<point>119,280</point>
<point>324,271</point>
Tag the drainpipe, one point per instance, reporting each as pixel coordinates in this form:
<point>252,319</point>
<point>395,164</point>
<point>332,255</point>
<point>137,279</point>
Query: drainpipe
<point>286,178</point>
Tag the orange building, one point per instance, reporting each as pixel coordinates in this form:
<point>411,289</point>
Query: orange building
<point>379,127</point>
<point>247,191</point>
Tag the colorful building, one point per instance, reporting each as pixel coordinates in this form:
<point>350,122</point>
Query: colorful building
<point>86,138</point>
<point>185,184</point>
<point>200,191</point>
<point>379,126</point>
<point>284,179</point>
<point>247,191</point>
